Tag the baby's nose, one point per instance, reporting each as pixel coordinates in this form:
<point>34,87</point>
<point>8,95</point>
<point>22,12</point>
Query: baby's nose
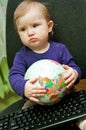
<point>30,32</point>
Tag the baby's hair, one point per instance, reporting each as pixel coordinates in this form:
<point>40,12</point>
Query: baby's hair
<point>24,7</point>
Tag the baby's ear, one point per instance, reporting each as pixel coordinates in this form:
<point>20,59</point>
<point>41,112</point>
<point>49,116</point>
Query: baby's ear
<point>50,25</point>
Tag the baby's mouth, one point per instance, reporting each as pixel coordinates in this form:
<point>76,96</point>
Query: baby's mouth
<point>33,39</point>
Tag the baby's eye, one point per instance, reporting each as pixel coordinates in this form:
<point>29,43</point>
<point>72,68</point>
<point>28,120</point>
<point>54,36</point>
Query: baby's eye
<point>22,29</point>
<point>35,25</point>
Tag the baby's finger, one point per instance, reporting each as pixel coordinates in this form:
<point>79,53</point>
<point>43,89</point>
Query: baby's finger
<point>71,84</point>
<point>33,80</point>
<point>39,91</point>
<point>69,80</point>
<point>38,95</point>
<point>34,99</point>
<point>66,76</point>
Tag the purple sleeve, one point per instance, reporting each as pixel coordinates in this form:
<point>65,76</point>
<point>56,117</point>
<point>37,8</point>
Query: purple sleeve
<point>16,74</point>
<point>68,59</point>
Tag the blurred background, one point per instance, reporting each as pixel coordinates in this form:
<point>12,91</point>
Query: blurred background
<point>7,95</point>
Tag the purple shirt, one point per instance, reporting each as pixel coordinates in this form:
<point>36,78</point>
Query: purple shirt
<point>25,57</point>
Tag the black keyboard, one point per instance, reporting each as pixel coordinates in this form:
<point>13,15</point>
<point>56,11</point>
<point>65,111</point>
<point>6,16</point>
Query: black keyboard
<point>37,117</point>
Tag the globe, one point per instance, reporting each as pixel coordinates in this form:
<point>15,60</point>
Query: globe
<point>50,74</point>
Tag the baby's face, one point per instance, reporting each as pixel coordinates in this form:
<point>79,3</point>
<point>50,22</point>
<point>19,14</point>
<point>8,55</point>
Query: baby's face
<point>34,29</point>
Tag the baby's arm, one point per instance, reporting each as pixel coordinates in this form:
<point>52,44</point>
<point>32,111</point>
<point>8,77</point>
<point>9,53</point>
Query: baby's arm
<point>71,76</point>
<point>32,91</point>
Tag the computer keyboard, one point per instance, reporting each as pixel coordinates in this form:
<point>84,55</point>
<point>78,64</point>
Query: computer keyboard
<point>38,117</point>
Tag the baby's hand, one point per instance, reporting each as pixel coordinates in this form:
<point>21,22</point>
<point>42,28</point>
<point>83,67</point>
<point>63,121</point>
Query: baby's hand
<point>32,91</point>
<point>71,76</point>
